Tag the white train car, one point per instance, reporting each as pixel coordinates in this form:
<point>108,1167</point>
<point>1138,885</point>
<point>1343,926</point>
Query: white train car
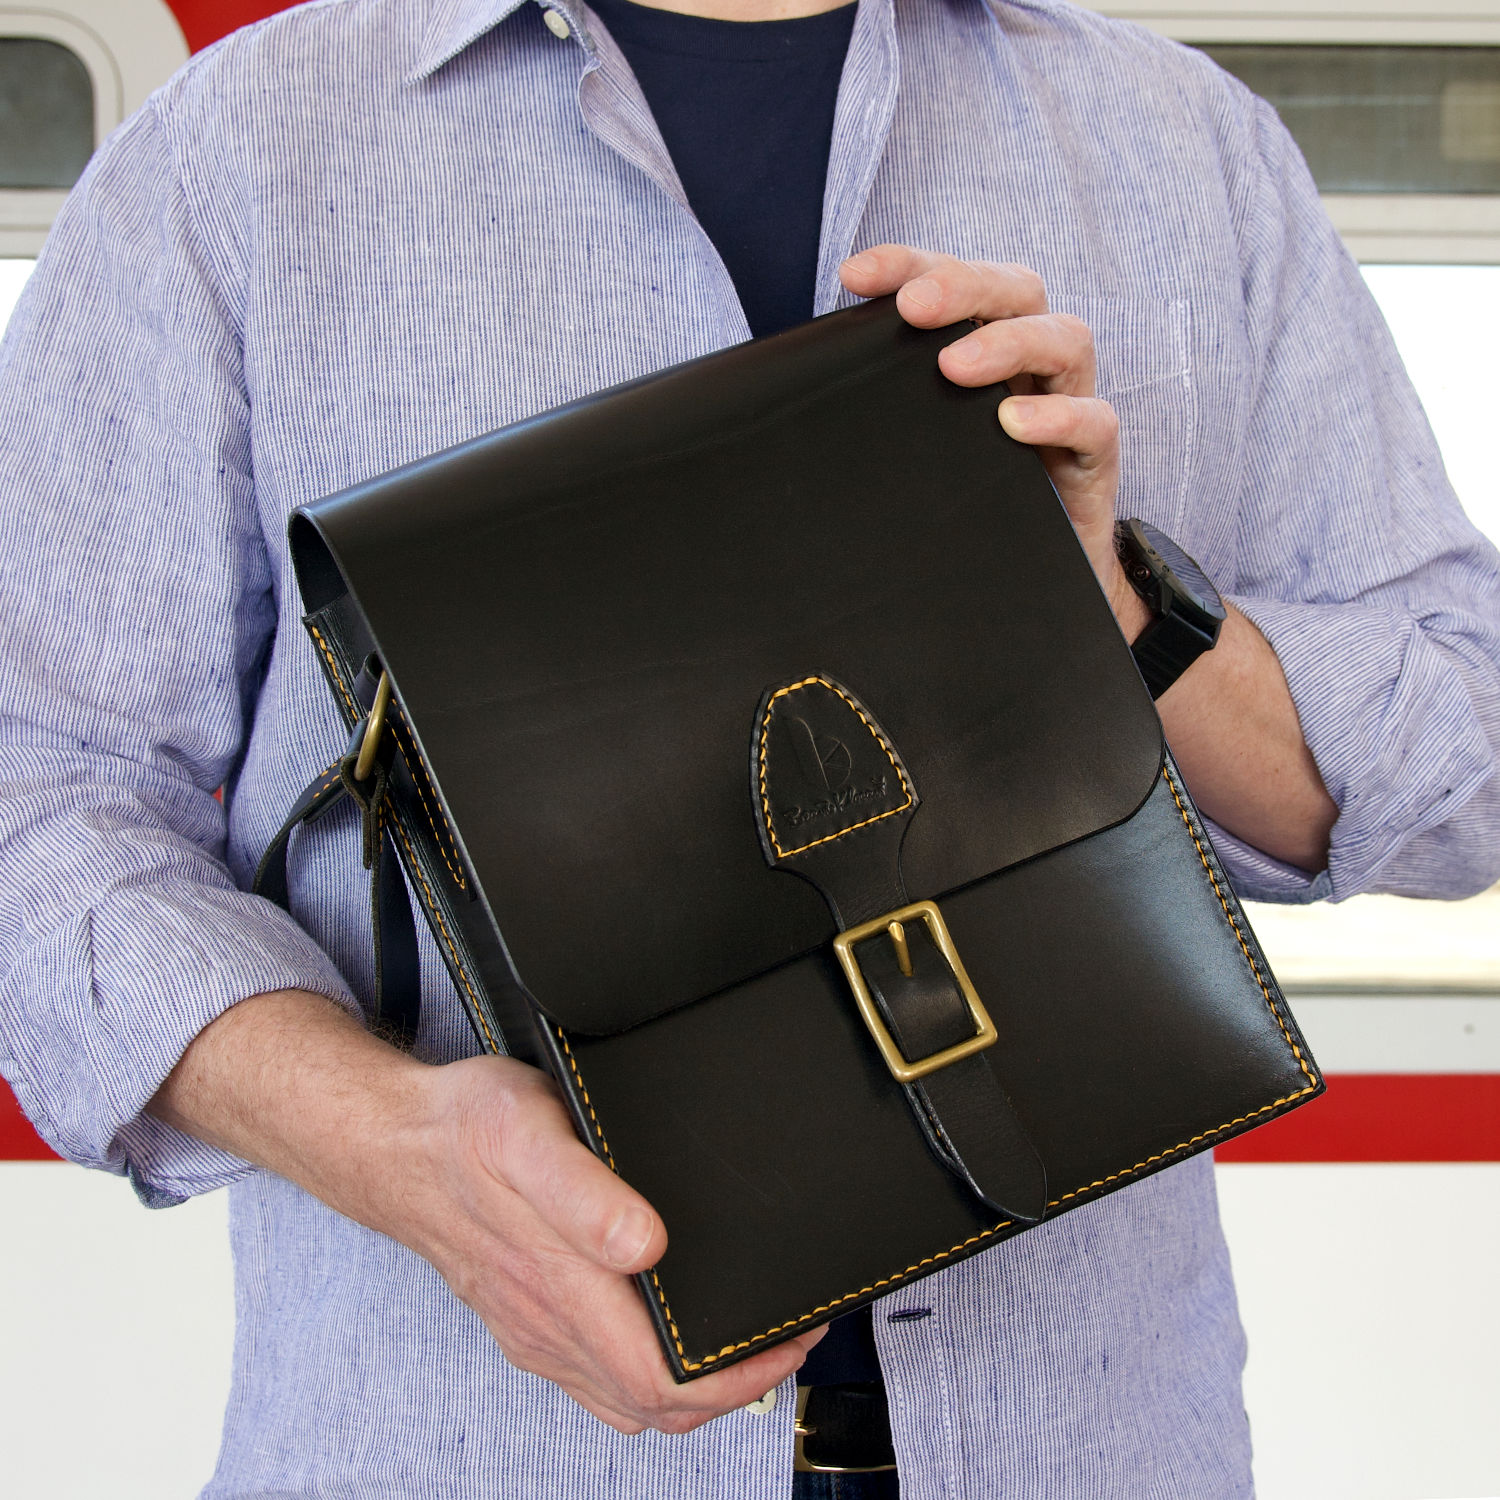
<point>1364,1229</point>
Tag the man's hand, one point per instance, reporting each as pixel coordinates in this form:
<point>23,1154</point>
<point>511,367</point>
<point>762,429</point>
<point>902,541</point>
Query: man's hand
<point>540,1238</point>
<point>476,1167</point>
<point>1230,718</point>
<point>1047,357</point>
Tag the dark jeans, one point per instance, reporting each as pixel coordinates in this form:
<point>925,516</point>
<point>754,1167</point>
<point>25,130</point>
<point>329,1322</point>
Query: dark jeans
<point>845,1486</point>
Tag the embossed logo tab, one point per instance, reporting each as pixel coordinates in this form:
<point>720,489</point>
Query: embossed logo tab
<point>823,767</point>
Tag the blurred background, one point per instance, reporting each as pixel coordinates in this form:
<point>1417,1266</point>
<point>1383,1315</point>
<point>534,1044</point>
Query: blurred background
<point>1365,1229</point>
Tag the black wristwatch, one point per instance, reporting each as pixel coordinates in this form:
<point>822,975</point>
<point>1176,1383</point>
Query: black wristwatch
<point>1186,608</point>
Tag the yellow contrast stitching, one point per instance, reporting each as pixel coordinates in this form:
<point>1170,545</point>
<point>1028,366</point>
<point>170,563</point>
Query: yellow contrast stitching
<point>985,1234</point>
<point>442,926</point>
<point>661,1297</point>
<point>1183,1145</point>
<point>416,869</point>
<point>1265,989</point>
<point>333,667</point>
<point>409,750</point>
<point>880,739</point>
<point>562,1036</point>
<point>874,1286</point>
<point>330,779</point>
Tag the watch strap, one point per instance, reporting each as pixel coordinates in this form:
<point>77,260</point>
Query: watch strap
<point>1165,649</point>
<point>1181,628</point>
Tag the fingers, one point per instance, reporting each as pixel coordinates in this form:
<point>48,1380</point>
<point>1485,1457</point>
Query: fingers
<point>1019,339</point>
<point>935,290</point>
<point>1078,439</point>
<point>1048,359</point>
<point>589,1332</point>
<point>1086,427</point>
<point>537,1238</point>
<point>1055,348</point>
<point>668,1407</point>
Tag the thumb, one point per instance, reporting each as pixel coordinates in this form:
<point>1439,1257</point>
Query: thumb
<point>579,1198</point>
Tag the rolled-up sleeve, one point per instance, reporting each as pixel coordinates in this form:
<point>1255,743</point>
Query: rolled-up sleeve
<point>1356,562</point>
<point>137,617</point>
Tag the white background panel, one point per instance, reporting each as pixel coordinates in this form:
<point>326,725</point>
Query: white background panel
<point>1371,1299</point>
<point>1395,1034</point>
<point>116,1325</point>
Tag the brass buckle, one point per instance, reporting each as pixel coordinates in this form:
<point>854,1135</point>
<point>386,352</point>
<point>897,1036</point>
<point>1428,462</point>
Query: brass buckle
<point>801,1463</point>
<point>903,1071</point>
<point>374,728</point>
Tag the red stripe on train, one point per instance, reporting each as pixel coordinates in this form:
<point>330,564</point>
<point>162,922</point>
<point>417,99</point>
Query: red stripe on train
<point>205,21</point>
<point>1385,1117</point>
<point>1363,1117</point>
<point>18,1141</point>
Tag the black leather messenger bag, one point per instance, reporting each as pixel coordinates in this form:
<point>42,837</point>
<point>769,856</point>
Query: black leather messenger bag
<point>770,769</point>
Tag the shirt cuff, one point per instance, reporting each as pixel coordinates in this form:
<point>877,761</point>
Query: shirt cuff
<point>114,999</point>
<point>1391,724</point>
<point>1255,876</point>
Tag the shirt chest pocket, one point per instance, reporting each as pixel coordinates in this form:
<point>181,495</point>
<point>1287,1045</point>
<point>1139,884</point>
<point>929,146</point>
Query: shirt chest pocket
<point>1145,372</point>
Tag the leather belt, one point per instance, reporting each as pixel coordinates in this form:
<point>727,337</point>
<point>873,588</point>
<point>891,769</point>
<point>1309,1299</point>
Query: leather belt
<point>843,1429</point>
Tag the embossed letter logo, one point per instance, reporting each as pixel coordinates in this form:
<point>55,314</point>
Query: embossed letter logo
<point>824,760</point>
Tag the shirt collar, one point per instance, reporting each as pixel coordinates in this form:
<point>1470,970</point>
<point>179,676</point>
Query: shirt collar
<point>453,25</point>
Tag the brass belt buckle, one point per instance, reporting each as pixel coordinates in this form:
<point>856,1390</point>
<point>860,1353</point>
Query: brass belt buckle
<point>801,1464</point>
<point>903,1071</point>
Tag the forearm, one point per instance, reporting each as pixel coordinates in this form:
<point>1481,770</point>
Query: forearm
<point>1236,737</point>
<point>290,1082</point>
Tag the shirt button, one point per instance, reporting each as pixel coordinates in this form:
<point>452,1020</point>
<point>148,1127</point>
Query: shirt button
<point>557,24</point>
<point>767,1403</point>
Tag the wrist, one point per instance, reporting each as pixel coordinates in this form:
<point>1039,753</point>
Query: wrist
<point>386,1163</point>
<point>1131,612</point>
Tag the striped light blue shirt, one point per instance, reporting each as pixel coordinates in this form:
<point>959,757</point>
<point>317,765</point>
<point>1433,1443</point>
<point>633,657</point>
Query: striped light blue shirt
<point>369,229</point>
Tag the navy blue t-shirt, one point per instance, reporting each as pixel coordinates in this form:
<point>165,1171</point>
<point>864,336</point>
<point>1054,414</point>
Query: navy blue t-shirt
<point>746,111</point>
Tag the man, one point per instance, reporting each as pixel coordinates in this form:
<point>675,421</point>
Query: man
<point>369,229</point>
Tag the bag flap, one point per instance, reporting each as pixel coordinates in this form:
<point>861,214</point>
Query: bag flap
<point>582,614</point>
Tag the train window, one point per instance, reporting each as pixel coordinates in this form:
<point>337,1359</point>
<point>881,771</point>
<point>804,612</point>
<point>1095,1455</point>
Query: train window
<point>46,114</point>
<point>1383,119</point>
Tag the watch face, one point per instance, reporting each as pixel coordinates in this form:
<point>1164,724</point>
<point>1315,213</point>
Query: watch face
<point>1185,575</point>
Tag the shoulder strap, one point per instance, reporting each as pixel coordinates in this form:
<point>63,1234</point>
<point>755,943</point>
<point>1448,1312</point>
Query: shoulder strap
<point>361,776</point>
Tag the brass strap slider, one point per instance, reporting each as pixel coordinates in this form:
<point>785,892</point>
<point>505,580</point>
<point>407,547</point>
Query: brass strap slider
<point>374,728</point>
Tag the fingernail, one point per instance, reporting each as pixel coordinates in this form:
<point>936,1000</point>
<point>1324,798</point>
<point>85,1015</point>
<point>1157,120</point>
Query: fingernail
<point>862,264</point>
<point>627,1237</point>
<point>925,292</point>
<point>1020,409</point>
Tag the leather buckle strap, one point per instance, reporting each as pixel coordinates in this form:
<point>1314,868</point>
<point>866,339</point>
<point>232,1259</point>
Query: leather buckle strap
<point>849,1427</point>
<point>832,800</point>
<point>892,925</point>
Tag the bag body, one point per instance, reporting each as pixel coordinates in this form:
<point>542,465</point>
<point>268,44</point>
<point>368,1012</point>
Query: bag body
<point>695,675</point>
